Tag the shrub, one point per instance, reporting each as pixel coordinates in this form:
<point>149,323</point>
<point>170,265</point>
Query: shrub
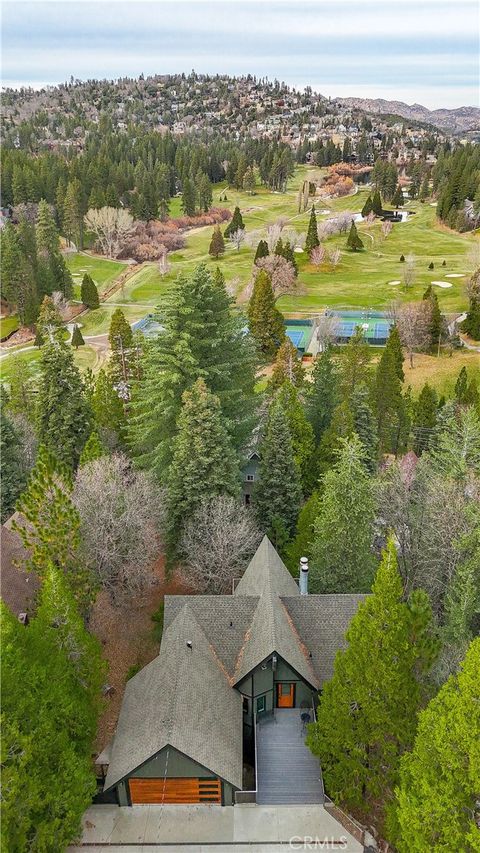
<point>431,265</point>
<point>402,258</point>
<point>132,670</point>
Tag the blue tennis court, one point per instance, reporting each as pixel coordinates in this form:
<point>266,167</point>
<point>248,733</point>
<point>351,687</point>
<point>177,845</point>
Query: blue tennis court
<point>295,336</point>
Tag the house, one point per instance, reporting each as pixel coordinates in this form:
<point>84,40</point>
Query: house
<point>187,722</point>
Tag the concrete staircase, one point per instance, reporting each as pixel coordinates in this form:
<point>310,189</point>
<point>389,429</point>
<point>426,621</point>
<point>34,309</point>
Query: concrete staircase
<point>287,772</point>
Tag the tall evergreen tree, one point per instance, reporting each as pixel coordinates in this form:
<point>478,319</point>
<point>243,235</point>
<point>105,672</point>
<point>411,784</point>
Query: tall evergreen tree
<point>340,427</point>
<point>392,417</point>
<point>236,223</point>
<point>63,415</point>
<point>53,272</point>
<point>108,410</point>
<point>395,345</point>
<point>51,675</point>
<point>322,393</point>
<point>355,362</point>
<point>264,319</point>
<point>364,424</point>
<point>73,213</point>
<point>77,337</point>
<point>204,463</point>
<point>301,432</point>
<point>92,450</point>
<point>439,782</point>
<point>11,467</point>
<point>287,367</point>
<point>312,240</point>
<point>188,197</point>
<point>18,278</point>
<point>217,243</point>
<point>367,714</point>
<point>262,251</point>
<point>425,418</point>
<point>301,544</point>
<point>436,319</point>
<point>461,386</point>
<point>353,240</point>
<point>120,338</point>
<point>398,198</point>
<point>377,208</point>
<point>203,337</point>
<point>278,489</point>
<point>367,207</point>
<point>342,556</point>
<point>89,292</point>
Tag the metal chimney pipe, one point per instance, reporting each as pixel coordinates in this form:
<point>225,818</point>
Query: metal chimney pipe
<point>303,580</point>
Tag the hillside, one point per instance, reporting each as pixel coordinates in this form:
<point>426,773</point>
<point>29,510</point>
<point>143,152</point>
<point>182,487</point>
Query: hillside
<point>458,120</point>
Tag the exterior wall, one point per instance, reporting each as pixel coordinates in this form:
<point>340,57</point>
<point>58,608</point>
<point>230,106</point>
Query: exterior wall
<point>250,469</point>
<point>174,764</point>
<point>262,682</point>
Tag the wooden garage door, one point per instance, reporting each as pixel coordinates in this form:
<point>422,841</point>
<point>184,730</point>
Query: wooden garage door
<point>179,790</point>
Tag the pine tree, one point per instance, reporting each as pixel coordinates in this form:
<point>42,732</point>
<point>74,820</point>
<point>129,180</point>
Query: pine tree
<point>277,495</point>
<point>301,432</point>
<point>367,207</point>
<point>353,241</point>
<point>342,557</point>
<point>300,546</point>
<point>49,526</point>
<point>204,462</point>
<point>52,675</point>
<point>89,292</point>
<point>73,213</point>
<point>236,223</point>
<point>364,424</point>
<point>63,415</point>
<point>395,345</point>
<point>53,272</point>
<point>322,393</point>
<point>19,286</point>
<point>217,243</point>
<point>425,418</point>
<point>202,337</point>
<point>46,231</point>
<point>262,251</point>
<point>287,367</point>
<point>93,449</point>
<point>188,197</point>
<point>392,416</point>
<point>108,410</point>
<point>264,319</point>
<point>440,778</point>
<point>77,337</point>
<point>377,208</point>
<point>355,362</point>
<point>398,197</point>
<point>461,386</point>
<point>11,466</point>
<point>340,427</point>
<point>120,338</point>
<point>249,182</point>
<point>312,240</point>
<point>367,714</point>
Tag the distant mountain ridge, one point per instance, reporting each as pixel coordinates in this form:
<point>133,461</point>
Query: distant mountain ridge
<point>456,120</point>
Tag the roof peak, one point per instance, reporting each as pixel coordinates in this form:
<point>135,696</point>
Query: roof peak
<point>266,573</point>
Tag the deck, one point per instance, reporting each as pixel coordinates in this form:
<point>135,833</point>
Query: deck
<point>287,772</point>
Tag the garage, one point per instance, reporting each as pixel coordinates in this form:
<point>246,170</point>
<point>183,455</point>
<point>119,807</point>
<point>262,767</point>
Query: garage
<point>156,791</point>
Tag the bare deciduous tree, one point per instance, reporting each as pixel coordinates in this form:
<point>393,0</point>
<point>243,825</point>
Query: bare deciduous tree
<point>334,257</point>
<point>280,270</point>
<point>121,514</point>
<point>112,226</point>
<point>238,237</point>
<point>370,219</point>
<point>164,266</point>
<point>386,227</point>
<point>217,543</point>
<point>414,323</point>
<point>409,271</point>
<point>317,255</point>
<point>325,330</point>
<point>274,231</point>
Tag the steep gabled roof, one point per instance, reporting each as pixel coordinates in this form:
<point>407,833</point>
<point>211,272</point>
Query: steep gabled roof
<point>183,699</point>
<point>272,631</point>
<point>266,572</point>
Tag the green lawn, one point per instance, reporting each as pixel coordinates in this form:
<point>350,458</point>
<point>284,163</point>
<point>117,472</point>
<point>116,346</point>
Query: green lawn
<point>97,322</point>
<point>8,325</point>
<point>102,270</point>
<point>145,287</point>
<point>85,357</point>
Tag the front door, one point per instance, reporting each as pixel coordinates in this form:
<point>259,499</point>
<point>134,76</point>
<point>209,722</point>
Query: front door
<point>285,695</point>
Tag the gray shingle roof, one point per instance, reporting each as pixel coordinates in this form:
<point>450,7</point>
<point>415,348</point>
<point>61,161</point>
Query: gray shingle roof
<point>321,622</point>
<point>266,571</point>
<point>170,702</point>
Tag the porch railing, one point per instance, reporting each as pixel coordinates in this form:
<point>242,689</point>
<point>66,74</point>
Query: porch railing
<point>243,797</point>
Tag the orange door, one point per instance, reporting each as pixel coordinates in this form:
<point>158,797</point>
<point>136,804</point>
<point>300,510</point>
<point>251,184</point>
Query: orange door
<point>285,695</point>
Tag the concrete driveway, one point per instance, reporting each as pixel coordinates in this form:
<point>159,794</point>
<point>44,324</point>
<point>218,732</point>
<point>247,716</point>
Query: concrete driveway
<point>208,828</point>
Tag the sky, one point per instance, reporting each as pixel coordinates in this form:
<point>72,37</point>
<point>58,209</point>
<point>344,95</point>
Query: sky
<point>418,51</point>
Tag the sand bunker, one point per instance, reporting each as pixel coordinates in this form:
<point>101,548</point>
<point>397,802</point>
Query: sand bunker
<point>395,282</point>
<point>433,203</point>
<point>442,283</point>
<point>455,275</point>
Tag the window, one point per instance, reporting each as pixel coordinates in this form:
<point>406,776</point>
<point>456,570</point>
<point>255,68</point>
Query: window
<point>247,500</point>
<point>261,704</point>
<point>245,705</point>
<point>250,478</point>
